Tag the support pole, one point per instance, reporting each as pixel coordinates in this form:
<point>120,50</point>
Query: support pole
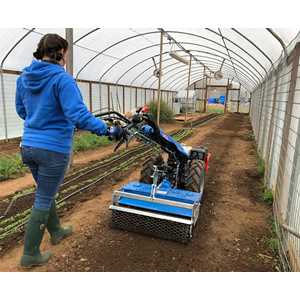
<point>238,104</point>
<point>69,68</point>
<point>159,78</point>
<point>69,62</point>
<point>123,99</point>
<point>226,97</point>
<point>205,95</point>
<point>4,106</point>
<point>187,92</point>
<point>90,97</point>
<point>108,97</point>
<point>250,103</point>
<point>135,103</point>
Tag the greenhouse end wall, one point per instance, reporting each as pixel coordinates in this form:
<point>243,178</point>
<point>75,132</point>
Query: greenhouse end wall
<point>275,114</point>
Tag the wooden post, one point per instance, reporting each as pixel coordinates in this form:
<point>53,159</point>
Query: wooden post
<point>226,96</point>
<point>205,95</point>
<point>187,92</point>
<point>135,98</point>
<point>123,99</point>
<point>108,97</point>
<point>250,103</point>
<point>159,77</point>
<point>90,97</point>
<point>69,62</point>
<point>238,104</point>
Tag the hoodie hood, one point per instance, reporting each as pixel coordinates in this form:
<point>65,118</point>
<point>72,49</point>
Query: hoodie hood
<point>38,74</point>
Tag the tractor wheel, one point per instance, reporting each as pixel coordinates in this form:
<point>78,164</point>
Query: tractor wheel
<point>147,170</point>
<point>195,176</point>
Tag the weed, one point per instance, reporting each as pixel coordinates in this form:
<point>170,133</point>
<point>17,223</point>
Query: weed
<point>87,141</point>
<point>166,113</point>
<point>250,136</point>
<point>273,244</point>
<point>11,166</point>
<point>268,196</point>
<point>261,167</point>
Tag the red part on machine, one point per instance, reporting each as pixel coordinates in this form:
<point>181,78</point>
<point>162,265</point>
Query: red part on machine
<point>145,109</point>
<point>208,157</point>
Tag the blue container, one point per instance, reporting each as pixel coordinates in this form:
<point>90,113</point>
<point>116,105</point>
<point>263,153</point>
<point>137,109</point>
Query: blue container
<point>222,99</point>
<point>212,100</point>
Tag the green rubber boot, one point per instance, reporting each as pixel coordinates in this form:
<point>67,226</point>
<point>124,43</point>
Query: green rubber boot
<point>57,232</point>
<point>33,237</point>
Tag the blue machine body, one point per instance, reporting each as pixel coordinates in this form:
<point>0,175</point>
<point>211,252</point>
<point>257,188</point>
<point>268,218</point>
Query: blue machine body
<point>164,192</point>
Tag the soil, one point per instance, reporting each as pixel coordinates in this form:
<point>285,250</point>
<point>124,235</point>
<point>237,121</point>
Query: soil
<point>230,236</point>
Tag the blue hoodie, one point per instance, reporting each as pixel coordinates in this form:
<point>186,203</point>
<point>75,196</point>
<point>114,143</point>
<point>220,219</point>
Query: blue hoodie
<point>50,102</point>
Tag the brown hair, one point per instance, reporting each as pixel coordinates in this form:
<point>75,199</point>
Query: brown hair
<point>50,45</point>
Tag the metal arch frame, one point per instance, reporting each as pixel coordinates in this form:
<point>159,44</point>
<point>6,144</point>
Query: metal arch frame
<point>171,39</point>
<point>227,70</point>
<point>85,35</point>
<point>233,66</point>
<point>277,37</point>
<point>229,40</point>
<point>180,85</point>
<point>222,46</point>
<point>178,32</point>
<point>142,61</point>
<point>244,75</point>
<point>15,45</point>
<point>111,46</point>
<point>249,75</point>
<point>210,59</point>
<point>195,78</point>
<point>253,44</point>
<point>199,45</point>
<point>213,57</point>
<point>245,81</point>
<point>178,81</point>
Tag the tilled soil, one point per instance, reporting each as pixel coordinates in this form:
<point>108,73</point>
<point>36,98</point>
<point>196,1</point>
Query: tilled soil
<point>230,236</point>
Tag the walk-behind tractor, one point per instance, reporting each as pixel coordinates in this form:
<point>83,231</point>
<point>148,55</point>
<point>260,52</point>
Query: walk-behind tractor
<point>166,201</point>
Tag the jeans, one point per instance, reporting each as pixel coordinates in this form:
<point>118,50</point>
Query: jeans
<point>48,169</point>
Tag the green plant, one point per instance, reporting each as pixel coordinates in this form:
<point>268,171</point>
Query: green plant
<point>87,141</point>
<point>11,166</point>
<point>268,196</point>
<point>273,244</point>
<point>166,113</point>
<point>217,110</point>
<point>261,167</point>
<point>250,136</point>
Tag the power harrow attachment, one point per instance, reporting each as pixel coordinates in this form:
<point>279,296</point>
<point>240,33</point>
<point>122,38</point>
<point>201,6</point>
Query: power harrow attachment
<point>165,203</point>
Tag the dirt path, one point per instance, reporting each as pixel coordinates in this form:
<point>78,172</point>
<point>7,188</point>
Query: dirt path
<point>229,237</point>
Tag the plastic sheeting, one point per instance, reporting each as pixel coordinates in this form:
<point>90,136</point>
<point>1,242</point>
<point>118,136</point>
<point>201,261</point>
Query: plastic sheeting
<point>124,56</point>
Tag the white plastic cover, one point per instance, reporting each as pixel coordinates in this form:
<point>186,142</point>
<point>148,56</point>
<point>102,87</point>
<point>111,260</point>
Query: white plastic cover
<point>126,56</point>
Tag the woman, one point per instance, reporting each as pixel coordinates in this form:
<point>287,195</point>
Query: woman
<point>50,103</point>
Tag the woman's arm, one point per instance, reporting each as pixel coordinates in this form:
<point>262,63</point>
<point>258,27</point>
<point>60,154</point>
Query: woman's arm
<point>74,108</point>
<point>20,108</point>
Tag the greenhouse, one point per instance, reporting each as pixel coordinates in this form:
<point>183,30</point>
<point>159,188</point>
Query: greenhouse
<point>232,92</point>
